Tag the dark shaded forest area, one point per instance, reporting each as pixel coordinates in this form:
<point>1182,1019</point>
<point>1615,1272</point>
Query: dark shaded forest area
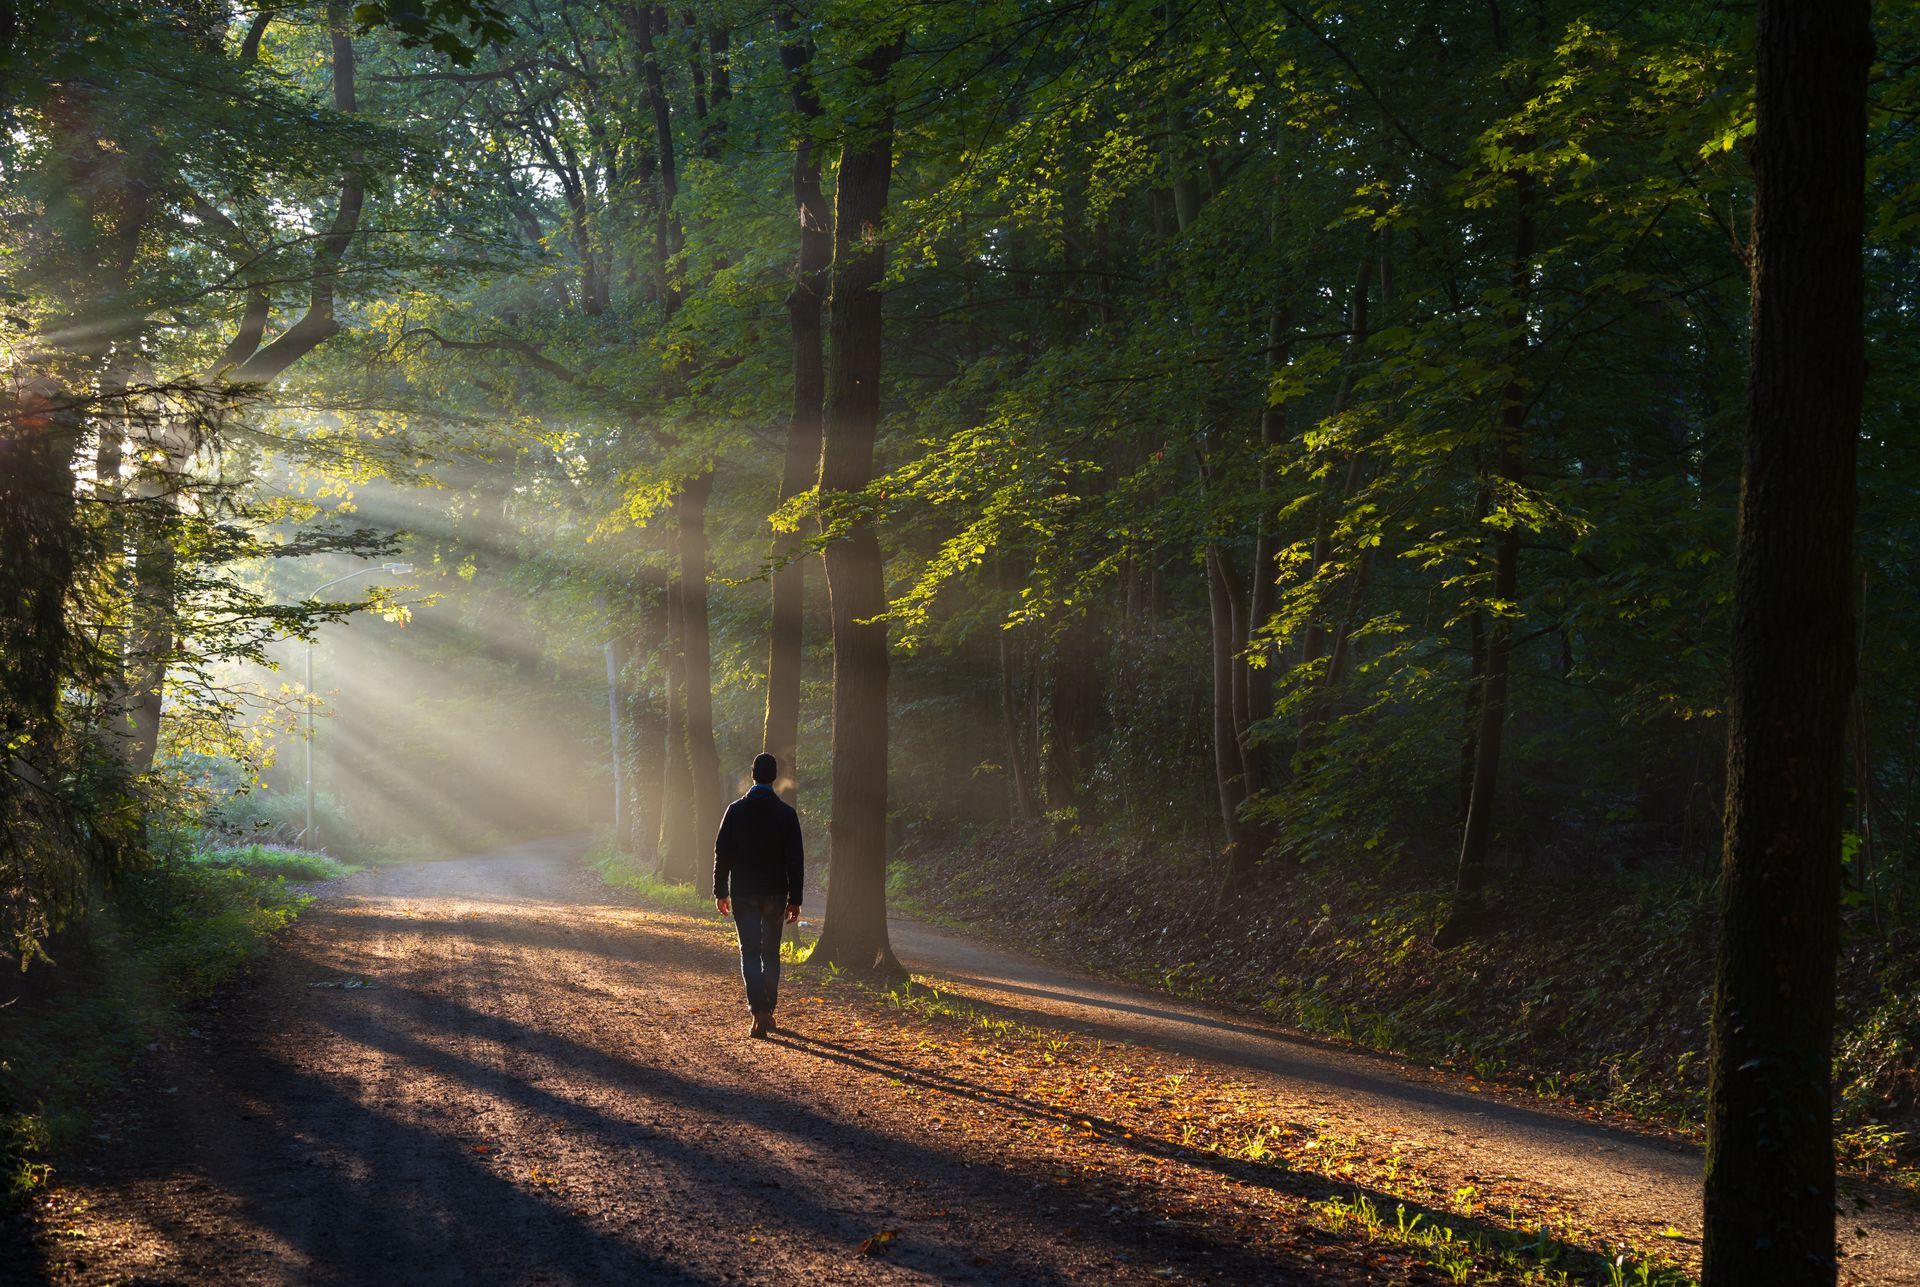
<point>1392,515</point>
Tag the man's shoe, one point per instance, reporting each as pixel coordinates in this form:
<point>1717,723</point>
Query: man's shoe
<point>766,1021</point>
<point>760,1027</point>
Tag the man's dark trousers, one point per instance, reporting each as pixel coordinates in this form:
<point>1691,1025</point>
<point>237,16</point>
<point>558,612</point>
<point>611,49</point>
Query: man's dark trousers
<point>759,920</point>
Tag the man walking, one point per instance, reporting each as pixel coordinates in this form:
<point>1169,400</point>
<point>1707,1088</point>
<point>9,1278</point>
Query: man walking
<point>758,872</point>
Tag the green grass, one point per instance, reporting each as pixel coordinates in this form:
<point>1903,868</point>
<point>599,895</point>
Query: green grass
<point>1466,1253</point>
<point>622,871</point>
<point>121,979</point>
<point>904,898</point>
<point>273,860</point>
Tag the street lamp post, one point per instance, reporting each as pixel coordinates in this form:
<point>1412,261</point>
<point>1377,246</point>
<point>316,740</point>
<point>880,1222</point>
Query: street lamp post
<point>308,835</point>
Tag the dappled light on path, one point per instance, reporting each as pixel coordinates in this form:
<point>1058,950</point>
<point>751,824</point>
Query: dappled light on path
<point>459,1074</point>
<point>491,1070</point>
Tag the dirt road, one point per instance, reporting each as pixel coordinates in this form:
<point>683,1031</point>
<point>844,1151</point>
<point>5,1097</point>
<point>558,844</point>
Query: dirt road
<point>1639,1186</point>
<point>494,1071</point>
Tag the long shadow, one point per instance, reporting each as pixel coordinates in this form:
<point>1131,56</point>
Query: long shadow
<point>440,1216</point>
<point>1273,1175</point>
<point>782,1115</point>
<point>1277,1055</point>
<point>794,1118</point>
<point>744,1172</point>
<point>445,1217</point>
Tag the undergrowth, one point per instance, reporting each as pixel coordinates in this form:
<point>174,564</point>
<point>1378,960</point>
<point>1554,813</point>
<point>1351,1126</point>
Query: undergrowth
<point>623,871</point>
<point>277,860</point>
<point>121,979</point>
<point>1464,1251</point>
<point>1594,991</point>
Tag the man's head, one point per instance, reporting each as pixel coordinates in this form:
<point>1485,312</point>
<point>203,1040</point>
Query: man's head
<point>765,768</point>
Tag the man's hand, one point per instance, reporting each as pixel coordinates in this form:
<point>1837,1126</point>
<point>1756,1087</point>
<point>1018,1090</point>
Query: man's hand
<point>793,913</point>
<point>725,905</point>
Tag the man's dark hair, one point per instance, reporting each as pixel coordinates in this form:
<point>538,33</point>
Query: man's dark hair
<point>765,768</point>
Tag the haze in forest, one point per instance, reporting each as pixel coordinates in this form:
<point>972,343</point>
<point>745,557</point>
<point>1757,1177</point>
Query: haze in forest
<point>1393,517</point>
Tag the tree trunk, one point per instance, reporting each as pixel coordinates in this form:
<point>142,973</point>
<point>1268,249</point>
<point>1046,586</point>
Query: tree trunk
<point>1020,766</point>
<point>1229,769</point>
<point>1469,741</point>
<point>616,733</point>
<point>648,659</point>
<point>1266,549</point>
<point>703,757</point>
<point>1769,1207</point>
<point>39,543</point>
<point>1469,909</point>
<point>680,851</point>
<point>1073,702</point>
<point>1026,801</point>
<point>856,923</point>
<point>785,647</point>
<point>644,23</point>
<point>151,609</point>
<point>318,323</point>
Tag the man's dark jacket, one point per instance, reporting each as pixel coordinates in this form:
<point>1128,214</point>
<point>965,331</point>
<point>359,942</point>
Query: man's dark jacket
<point>757,853</point>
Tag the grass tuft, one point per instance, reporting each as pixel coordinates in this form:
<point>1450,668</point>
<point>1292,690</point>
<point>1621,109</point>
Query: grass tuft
<point>1464,1252</point>
<point>277,860</point>
<point>623,871</point>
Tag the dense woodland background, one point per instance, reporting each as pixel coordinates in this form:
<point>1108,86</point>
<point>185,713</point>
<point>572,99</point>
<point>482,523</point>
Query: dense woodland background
<point>1279,501</point>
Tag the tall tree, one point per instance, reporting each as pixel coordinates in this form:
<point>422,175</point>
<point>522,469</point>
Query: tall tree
<point>855,933</point>
<point>1503,474</point>
<point>1770,1180</point>
<point>804,303</point>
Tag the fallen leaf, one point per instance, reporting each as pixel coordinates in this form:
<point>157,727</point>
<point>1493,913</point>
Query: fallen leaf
<point>877,1244</point>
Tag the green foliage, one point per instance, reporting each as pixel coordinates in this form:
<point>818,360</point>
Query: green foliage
<point>271,861</point>
<point>173,934</point>
<point>458,29</point>
<point>1234,340</point>
<point>1464,1251</point>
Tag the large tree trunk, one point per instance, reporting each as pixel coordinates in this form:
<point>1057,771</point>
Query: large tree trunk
<point>782,732</point>
<point>151,610</point>
<point>1769,1216</point>
<point>856,923</point>
<point>1469,910</point>
<point>696,637</point>
<point>39,545</point>
<point>616,736</point>
<point>40,428</point>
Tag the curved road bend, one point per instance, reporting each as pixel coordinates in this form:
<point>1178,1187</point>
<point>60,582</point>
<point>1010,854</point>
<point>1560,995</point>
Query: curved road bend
<point>1641,1184</point>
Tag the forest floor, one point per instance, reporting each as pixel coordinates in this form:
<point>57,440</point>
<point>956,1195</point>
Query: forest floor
<point>498,1070</point>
